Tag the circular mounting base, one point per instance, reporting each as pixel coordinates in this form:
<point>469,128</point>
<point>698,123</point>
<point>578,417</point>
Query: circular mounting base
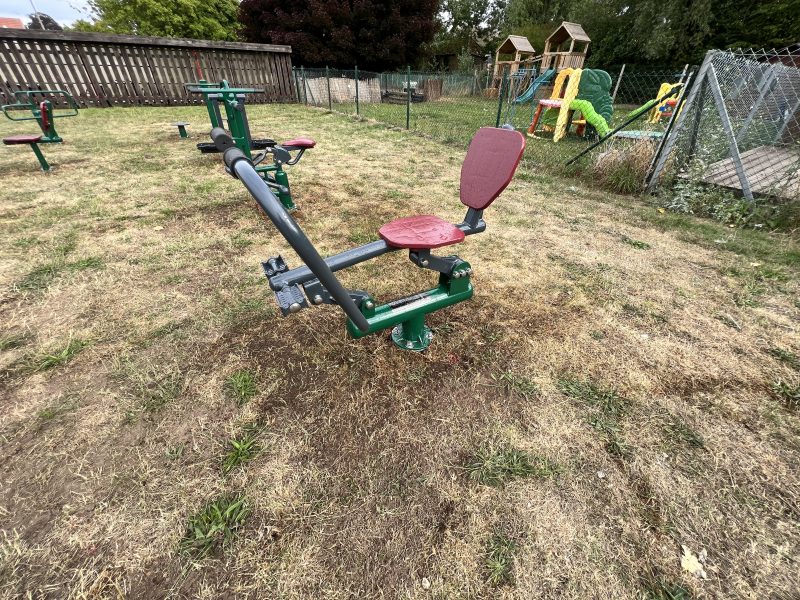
<point>416,343</point>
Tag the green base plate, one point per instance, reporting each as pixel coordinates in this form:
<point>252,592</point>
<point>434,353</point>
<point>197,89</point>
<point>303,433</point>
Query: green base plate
<point>417,345</point>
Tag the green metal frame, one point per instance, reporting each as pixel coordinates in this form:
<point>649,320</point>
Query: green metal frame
<point>407,315</point>
<point>239,129</point>
<point>26,100</point>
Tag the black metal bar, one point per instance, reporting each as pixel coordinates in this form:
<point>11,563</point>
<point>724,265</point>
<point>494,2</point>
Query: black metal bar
<point>241,167</point>
<point>611,134</point>
<point>345,259</point>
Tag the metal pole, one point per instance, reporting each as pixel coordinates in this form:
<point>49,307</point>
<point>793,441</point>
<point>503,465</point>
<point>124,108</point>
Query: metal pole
<point>303,75</point>
<point>36,14</point>
<point>328,80</point>
<point>616,87</point>
<point>500,93</point>
<point>358,110</point>
<point>630,120</point>
<point>408,97</point>
<point>296,84</point>
<point>683,73</point>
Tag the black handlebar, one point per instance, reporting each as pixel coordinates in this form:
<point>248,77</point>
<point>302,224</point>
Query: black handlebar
<point>241,168</point>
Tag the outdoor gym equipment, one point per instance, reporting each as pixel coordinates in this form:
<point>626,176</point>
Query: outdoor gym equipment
<point>181,125</point>
<point>232,100</point>
<point>43,113</point>
<point>212,93</point>
<point>488,168</point>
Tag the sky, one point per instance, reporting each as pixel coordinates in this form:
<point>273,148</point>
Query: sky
<point>63,11</point>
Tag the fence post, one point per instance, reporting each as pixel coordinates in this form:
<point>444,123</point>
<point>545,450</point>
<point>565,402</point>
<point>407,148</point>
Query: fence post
<point>358,109</point>
<point>616,87</point>
<point>328,80</point>
<point>303,77</point>
<point>296,84</point>
<point>500,93</point>
<point>408,97</point>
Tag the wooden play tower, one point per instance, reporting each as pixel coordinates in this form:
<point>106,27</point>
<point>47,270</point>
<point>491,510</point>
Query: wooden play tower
<point>566,47</point>
<point>517,46</point>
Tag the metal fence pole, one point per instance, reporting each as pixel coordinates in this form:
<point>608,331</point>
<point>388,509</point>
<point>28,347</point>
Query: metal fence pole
<point>500,93</point>
<point>408,97</point>
<point>296,84</point>
<point>303,75</point>
<point>328,81</point>
<point>616,87</point>
<point>358,110</point>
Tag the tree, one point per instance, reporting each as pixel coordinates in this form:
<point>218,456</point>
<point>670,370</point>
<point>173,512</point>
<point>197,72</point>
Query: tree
<point>40,21</point>
<point>372,34</point>
<point>196,19</point>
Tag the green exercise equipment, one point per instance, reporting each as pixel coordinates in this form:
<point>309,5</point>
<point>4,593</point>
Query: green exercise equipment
<point>43,110</point>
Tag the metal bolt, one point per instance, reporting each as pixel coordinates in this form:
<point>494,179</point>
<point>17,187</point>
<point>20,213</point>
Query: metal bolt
<point>317,299</point>
<point>294,307</point>
<point>424,262</point>
<point>409,344</point>
<point>369,305</point>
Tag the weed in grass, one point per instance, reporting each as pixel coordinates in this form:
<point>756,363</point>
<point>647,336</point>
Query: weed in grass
<point>39,278</point>
<point>788,393</point>
<point>214,526</point>
<point>752,289</point>
<point>48,360</point>
<point>246,311</point>
<point>175,452</point>
<point>61,407</point>
<point>360,237</point>
<point>495,465</point>
<point>499,560</point>
<point>518,383</point>
<point>91,262</point>
<point>728,320</point>
<point>679,433</point>
<point>243,448</point>
<point>159,390</point>
<point>608,407</point>
<point>607,401</point>
<point>42,276</point>
<point>240,241</point>
<point>66,244</point>
<point>597,335</point>
<point>242,386</point>
<point>786,356</point>
<point>623,170</point>
<point>25,242</point>
<point>661,590</point>
<point>12,340</point>
<point>636,243</point>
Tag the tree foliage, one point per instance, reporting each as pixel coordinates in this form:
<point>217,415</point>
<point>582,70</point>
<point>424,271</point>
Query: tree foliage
<point>43,21</point>
<point>196,19</point>
<point>663,32</point>
<point>373,34</point>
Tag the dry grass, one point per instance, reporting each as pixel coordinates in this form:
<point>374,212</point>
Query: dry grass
<point>596,369</point>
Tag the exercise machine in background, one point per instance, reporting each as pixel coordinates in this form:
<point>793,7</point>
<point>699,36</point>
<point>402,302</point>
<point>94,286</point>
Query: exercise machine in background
<point>39,106</point>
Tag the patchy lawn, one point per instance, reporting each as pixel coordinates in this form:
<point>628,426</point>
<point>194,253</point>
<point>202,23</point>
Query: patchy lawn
<point>613,415</point>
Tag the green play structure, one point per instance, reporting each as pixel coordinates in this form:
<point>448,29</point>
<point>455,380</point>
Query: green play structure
<point>584,91</point>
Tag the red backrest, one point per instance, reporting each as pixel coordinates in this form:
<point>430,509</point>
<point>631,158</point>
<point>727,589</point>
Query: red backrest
<point>490,164</point>
<point>45,124</point>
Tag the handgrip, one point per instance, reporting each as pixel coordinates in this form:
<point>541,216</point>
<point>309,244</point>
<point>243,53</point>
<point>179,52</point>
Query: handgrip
<point>290,230</point>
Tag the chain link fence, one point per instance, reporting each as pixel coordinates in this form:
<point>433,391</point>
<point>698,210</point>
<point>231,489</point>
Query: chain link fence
<point>450,107</point>
<point>734,152</point>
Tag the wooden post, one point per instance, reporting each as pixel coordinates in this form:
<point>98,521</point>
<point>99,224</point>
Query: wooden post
<point>616,87</point>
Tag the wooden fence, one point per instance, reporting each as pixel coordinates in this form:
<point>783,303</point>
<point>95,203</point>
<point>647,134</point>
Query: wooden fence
<point>120,70</point>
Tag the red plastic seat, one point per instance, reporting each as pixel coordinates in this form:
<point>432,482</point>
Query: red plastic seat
<point>299,144</point>
<point>21,139</point>
<point>420,232</point>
